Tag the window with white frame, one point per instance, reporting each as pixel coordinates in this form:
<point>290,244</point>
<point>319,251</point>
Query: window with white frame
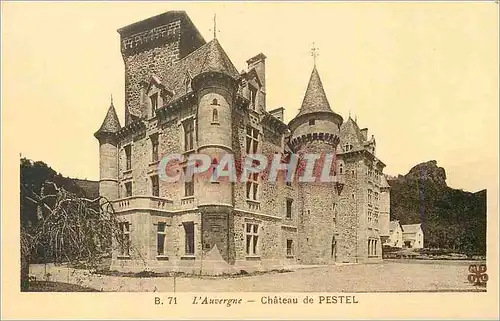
<point>188,126</point>
<point>252,140</point>
<point>155,186</point>
<point>128,157</point>
<point>125,238</point>
<point>253,96</point>
<point>253,186</point>
<point>161,236</point>
<point>154,104</point>
<point>252,238</point>
<point>188,186</point>
<point>215,116</point>
<point>128,189</point>
<point>154,147</point>
<point>188,237</point>
<point>289,247</point>
<point>289,203</point>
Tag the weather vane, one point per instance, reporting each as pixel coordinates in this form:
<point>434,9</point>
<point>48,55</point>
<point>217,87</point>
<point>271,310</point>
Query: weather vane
<point>314,52</point>
<point>215,27</point>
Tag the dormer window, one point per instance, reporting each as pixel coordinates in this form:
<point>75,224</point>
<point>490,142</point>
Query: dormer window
<point>312,122</point>
<point>253,96</point>
<point>154,104</point>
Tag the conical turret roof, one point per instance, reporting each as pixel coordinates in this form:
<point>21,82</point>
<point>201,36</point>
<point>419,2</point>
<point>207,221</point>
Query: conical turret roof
<point>315,97</point>
<point>216,60</point>
<point>111,123</point>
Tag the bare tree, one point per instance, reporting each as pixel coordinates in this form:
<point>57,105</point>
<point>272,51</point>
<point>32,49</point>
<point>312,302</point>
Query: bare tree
<point>69,229</point>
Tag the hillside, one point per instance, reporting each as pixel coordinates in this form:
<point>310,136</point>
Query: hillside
<point>33,174</point>
<point>451,218</point>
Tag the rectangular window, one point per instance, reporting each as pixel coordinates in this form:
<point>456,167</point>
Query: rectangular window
<point>334,213</point>
<point>189,237</point>
<point>289,203</point>
<point>289,247</point>
<point>125,238</point>
<point>128,189</point>
<point>188,186</point>
<point>252,140</point>
<point>160,239</point>
<point>253,186</point>
<point>253,96</point>
<point>252,238</point>
<point>128,155</point>
<point>155,186</point>
<point>312,122</point>
<point>370,194</point>
<point>154,148</point>
<point>188,134</point>
<point>154,104</point>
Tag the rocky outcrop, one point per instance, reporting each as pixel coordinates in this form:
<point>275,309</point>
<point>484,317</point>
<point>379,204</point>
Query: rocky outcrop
<point>451,219</point>
<point>428,171</point>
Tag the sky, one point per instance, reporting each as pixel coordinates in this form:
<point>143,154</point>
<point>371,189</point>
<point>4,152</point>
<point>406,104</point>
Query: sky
<point>423,77</point>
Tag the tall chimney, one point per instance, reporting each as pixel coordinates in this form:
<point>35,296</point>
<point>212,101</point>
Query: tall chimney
<point>364,132</point>
<point>259,63</point>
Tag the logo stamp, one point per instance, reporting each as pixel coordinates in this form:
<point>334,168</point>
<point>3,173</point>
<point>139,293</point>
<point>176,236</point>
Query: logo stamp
<point>478,274</point>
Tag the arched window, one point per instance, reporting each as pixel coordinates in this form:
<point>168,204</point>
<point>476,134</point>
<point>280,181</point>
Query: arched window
<point>215,116</point>
<point>215,102</point>
<point>341,169</point>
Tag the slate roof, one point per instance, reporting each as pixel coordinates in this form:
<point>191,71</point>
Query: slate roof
<point>351,126</point>
<point>411,228</point>
<point>393,225</point>
<point>315,98</point>
<point>383,182</point>
<point>111,123</point>
<point>208,58</point>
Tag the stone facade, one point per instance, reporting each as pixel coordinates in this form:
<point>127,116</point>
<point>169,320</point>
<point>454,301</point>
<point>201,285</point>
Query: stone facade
<point>184,96</point>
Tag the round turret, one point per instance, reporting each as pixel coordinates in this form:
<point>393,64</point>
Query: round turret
<point>315,120</point>
<point>108,155</point>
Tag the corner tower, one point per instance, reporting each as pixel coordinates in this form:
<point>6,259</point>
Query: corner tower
<point>215,86</point>
<point>108,154</point>
<point>315,130</point>
<point>150,46</point>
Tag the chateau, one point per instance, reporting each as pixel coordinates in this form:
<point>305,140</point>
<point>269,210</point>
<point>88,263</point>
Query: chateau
<point>183,95</point>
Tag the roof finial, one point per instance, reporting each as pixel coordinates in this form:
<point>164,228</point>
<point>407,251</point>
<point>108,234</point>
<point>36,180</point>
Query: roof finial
<point>215,26</point>
<point>349,113</point>
<point>111,99</point>
<point>356,118</point>
<point>314,53</point>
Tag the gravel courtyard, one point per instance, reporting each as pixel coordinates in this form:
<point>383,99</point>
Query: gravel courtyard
<point>390,276</point>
